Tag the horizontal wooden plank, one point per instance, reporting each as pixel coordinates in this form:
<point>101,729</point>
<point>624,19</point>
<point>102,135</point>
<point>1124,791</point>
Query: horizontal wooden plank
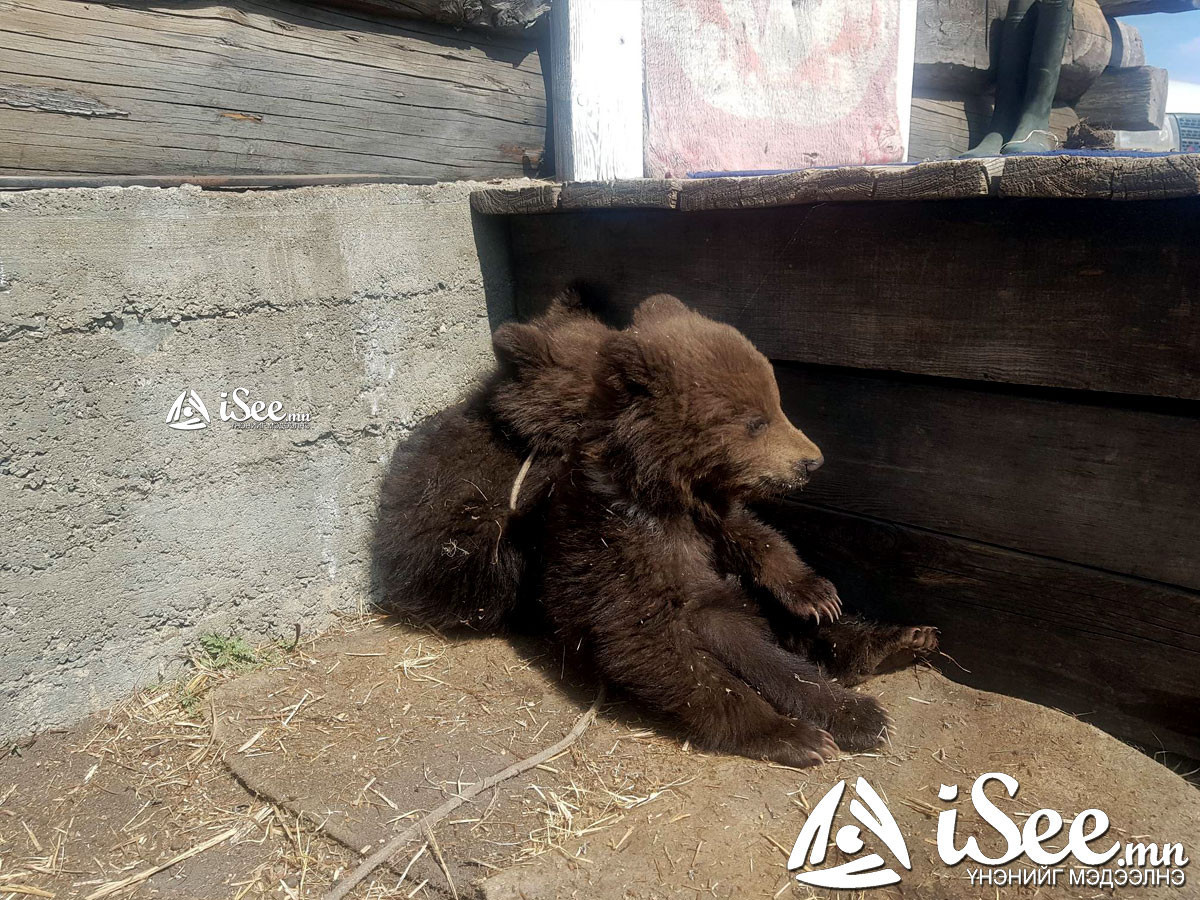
<point>1112,488</point>
<point>1120,653</point>
<point>849,184</point>
<point>1034,177</point>
<point>1116,178</point>
<point>260,87</point>
<point>648,193</point>
<point>504,16</point>
<point>537,198</point>
<point>1086,294</point>
<point>208,182</point>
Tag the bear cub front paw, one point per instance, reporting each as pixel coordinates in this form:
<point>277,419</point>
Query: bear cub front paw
<point>803,594</point>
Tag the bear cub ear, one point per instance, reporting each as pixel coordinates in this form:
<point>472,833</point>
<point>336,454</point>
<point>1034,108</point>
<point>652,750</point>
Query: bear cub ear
<point>658,308</point>
<point>626,371</point>
<point>520,346</point>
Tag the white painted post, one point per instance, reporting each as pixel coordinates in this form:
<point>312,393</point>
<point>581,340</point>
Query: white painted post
<point>596,86</point>
<point>905,61</point>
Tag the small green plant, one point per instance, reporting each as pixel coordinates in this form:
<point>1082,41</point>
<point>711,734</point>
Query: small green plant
<point>228,652</point>
<point>187,701</point>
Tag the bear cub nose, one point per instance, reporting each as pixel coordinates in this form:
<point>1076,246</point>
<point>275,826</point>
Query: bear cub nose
<point>807,466</point>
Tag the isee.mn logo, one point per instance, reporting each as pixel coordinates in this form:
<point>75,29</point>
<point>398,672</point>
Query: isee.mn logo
<point>1037,848</point>
<point>868,871</point>
<point>188,412</point>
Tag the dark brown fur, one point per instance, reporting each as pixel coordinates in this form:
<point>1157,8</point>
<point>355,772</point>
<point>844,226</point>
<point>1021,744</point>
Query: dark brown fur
<point>654,563</point>
<point>449,550</point>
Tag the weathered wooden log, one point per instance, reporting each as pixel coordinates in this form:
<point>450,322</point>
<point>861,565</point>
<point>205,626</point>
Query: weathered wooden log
<point>508,16</point>
<point>958,42</point>
<point>1141,7</point>
<point>1128,52</point>
<point>943,127</point>
<point>257,87</point>
<point>1126,99</point>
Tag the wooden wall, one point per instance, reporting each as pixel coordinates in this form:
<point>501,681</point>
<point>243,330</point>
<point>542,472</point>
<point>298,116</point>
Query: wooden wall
<point>261,87</point>
<point>1008,396</point>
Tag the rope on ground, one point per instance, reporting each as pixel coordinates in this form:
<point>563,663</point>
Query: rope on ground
<point>396,844</point>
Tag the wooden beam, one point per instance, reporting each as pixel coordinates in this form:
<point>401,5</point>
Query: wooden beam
<point>1052,177</point>
<point>1126,99</point>
<point>252,87</point>
<point>538,198</point>
<point>596,49</point>
<point>1113,178</point>
<point>1128,51</point>
<point>1113,487</point>
<point>515,17</point>
<point>1122,653</point>
<point>638,194</point>
<point>1143,7</point>
<point>1081,294</point>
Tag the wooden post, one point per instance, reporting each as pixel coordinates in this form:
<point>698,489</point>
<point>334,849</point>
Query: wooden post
<point>1128,51</point>
<point>905,64</point>
<point>1126,99</point>
<point>596,81</point>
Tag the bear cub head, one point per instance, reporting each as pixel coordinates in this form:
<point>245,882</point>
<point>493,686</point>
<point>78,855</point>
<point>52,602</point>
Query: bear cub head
<point>686,410</point>
<point>546,372</point>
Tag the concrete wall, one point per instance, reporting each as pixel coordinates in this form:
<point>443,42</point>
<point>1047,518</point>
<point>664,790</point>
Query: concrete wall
<point>122,539</point>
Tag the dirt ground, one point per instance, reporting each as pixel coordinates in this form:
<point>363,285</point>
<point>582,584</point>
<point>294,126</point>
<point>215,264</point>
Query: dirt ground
<point>274,781</point>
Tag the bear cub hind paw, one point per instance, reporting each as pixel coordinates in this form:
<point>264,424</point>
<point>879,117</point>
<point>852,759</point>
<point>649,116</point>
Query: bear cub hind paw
<point>921,639</point>
<point>860,723</point>
<point>801,744</point>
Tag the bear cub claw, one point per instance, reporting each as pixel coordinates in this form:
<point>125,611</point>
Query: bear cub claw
<point>922,639</point>
<point>812,597</point>
<point>801,744</point>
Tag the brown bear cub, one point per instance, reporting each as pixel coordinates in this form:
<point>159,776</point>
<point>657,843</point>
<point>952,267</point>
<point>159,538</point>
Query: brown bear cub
<point>606,475</point>
<point>654,563</point>
<point>461,505</point>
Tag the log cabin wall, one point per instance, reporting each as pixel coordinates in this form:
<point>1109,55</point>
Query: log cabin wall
<point>1007,392</point>
<point>270,87</point>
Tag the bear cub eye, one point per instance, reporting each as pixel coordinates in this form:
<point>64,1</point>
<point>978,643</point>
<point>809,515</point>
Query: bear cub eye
<point>756,426</point>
